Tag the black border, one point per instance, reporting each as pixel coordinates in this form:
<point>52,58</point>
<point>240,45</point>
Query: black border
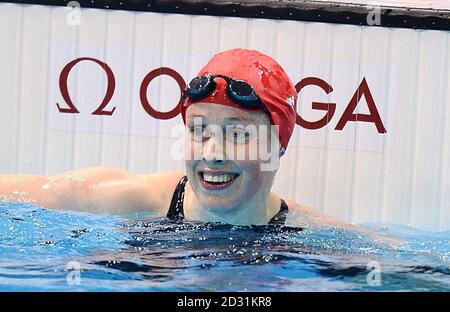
<point>306,10</point>
<point>290,301</point>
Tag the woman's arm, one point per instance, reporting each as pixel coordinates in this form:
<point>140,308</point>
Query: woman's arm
<point>96,189</point>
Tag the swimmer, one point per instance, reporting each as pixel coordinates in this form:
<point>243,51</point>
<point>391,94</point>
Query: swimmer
<point>242,101</point>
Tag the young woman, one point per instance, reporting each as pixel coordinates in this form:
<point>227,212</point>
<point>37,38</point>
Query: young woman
<point>234,106</point>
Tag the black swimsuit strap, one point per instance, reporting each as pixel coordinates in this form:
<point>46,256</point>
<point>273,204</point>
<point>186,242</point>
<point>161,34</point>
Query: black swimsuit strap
<point>280,217</point>
<point>176,211</point>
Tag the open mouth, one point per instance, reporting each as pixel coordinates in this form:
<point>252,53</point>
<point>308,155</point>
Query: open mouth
<point>217,181</point>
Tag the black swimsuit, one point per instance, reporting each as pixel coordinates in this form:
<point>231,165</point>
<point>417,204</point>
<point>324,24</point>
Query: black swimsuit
<point>176,211</point>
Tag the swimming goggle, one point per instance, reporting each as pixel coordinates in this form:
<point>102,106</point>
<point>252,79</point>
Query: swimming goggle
<point>237,90</point>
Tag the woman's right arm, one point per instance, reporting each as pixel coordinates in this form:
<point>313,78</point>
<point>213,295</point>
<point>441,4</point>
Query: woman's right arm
<point>96,189</point>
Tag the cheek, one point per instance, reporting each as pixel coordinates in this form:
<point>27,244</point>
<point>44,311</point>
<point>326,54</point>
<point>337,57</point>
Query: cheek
<point>248,153</point>
<point>192,150</point>
<point>254,178</point>
<point>189,160</point>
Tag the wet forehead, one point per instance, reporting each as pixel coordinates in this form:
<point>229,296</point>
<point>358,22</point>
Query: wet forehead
<point>222,114</point>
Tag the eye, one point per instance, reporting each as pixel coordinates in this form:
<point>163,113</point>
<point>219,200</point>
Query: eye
<point>238,134</point>
<point>199,132</point>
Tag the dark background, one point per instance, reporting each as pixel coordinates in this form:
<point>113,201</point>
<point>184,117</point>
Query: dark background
<point>300,10</point>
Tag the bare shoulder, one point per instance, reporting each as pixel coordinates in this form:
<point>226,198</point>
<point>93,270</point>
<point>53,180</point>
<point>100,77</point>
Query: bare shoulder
<point>308,217</point>
<point>312,218</point>
<point>156,188</point>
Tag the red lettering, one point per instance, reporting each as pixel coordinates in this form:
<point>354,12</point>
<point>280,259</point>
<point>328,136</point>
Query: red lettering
<point>63,78</point>
<point>330,108</point>
<point>374,116</point>
<point>143,92</point>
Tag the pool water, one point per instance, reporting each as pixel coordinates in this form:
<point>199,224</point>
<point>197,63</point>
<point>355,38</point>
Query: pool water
<point>44,250</point>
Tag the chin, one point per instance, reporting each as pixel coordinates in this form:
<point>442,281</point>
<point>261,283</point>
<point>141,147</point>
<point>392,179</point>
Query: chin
<point>217,204</point>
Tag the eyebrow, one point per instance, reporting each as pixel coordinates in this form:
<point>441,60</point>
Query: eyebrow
<point>238,119</point>
<point>226,119</point>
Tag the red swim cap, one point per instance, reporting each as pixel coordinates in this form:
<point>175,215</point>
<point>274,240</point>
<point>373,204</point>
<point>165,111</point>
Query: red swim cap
<point>265,75</point>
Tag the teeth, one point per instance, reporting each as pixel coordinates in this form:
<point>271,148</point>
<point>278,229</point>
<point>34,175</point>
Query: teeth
<point>217,178</point>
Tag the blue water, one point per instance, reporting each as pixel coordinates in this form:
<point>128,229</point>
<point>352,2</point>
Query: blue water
<point>42,250</point>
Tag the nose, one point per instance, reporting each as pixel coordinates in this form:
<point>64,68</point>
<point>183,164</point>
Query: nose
<point>213,151</point>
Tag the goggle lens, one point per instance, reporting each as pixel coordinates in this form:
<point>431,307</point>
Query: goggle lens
<point>199,87</point>
<point>239,91</point>
<point>243,92</point>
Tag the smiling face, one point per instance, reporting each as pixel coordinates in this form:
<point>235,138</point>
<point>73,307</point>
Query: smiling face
<point>223,158</point>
